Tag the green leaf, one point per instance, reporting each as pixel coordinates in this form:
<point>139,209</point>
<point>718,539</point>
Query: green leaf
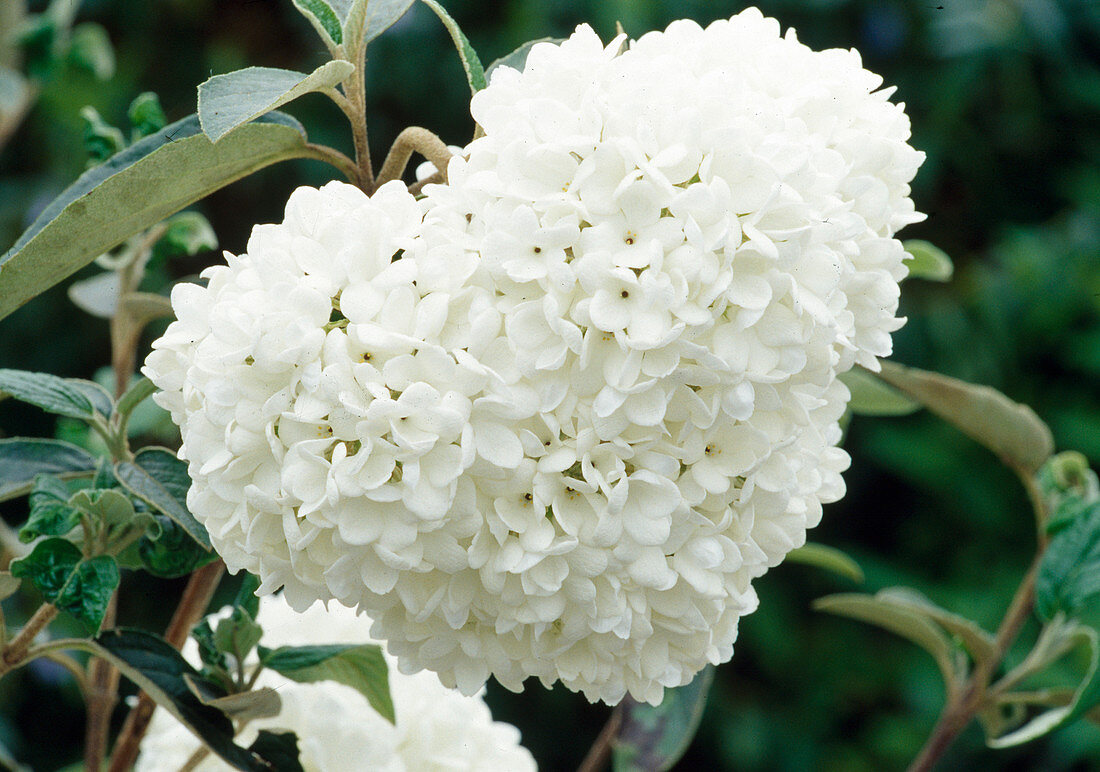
<point>654,737</point>
<point>62,396</point>
<point>238,634</point>
<point>23,459</point>
<point>97,295</point>
<point>829,558</point>
<point>518,58</point>
<point>1069,575</point>
<point>324,20</point>
<point>475,73</point>
<point>50,513</point>
<point>173,552</point>
<point>139,391</point>
<point>188,233</point>
<point>153,178</point>
<point>146,115</point>
<point>898,618</point>
<point>246,594</point>
<point>58,570</point>
<point>231,100</point>
<point>101,139</point>
<point>209,654</point>
<point>1059,637</point>
<point>367,20</point>
<point>1009,429</point>
<point>107,506</point>
<point>927,261</point>
<point>160,479</point>
<point>279,748</point>
<point>870,396</point>
<point>361,667</point>
<point>978,642</point>
<point>90,49</point>
<point>155,666</point>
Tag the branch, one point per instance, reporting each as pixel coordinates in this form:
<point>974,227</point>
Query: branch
<point>15,652</point>
<point>419,140</point>
<point>600,753</point>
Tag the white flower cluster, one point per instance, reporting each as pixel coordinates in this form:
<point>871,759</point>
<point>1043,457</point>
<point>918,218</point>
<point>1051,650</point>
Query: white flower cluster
<point>338,731</point>
<point>596,393</point>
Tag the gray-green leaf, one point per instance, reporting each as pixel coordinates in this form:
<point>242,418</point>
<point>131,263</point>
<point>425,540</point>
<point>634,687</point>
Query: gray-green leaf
<point>160,479</point>
<point>97,295</point>
<point>21,460</point>
<point>59,571</point>
<point>870,396</point>
<point>324,20</point>
<point>231,100</point>
<point>61,396</point>
<point>828,558</point>
<point>654,737</point>
<point>475,73</point>
<point>153,178</point>
<point>370,19</point>
<point>927,261</point>
<point>361,667</point>
<point>1011,430</point>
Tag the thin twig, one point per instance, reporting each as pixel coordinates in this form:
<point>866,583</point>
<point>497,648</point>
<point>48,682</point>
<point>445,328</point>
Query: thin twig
<point>76,670</point>
<point>101,696</point>
<point>16,650</point>
<point>600,752</point>
<point>196,597</point>
<point>356,110</point>
<point>335,158</point>
<point>414,139</point>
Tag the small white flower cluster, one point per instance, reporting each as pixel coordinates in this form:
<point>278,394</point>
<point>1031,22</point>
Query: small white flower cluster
<point>596,393</point>
<point>338,731</point>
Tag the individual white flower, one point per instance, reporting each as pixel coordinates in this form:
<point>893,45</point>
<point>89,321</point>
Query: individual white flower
<point>594,396</point>
<point>338,731</point>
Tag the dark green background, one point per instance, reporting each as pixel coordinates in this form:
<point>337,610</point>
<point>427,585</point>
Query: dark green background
<point>1005,99</point>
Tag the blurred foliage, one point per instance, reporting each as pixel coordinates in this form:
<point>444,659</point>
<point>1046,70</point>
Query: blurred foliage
<point>1004,96</point>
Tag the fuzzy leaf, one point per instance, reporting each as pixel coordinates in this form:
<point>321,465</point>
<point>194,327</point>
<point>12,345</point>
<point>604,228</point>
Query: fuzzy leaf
<point>62,396</point>
<point>927,261</point>
<point>370,19</point>
<point>475,73</point>
<point>897,618</point>
<point>23,459</point>
<point>1069,575</point>
<point>58,570</point>
<point>1011,430</point>
<point>152,179</point>
<point>160,479</point>
<point>654,737</point>
<point>109,507</point>
<point>518,58</point>
<point>361,667</point>
<point>97,295</point>
<point>50,512</point>
<point>828,558</point>
<point>870,396</point>
<point>231,100</point>
<point>324,20</point>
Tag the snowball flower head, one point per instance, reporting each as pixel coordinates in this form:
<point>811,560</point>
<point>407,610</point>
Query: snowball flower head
<point>595,396</point>
<point>338,731</point>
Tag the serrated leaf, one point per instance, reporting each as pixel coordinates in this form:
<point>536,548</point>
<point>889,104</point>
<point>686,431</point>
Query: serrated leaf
<point>1085,696</point>
<point>23,459</point>
<point>231,100</point>
<point>828,558</point>
<point>927,261</point>
<point>146,115</point>
<point>518,58</point>
<point>475,73</point>
<point>62,396</point>
<point>90,49</point>
<point>280,749</point>
<point>654,737</point>
<point>1011,430</point>
<point>50,512</point>
<point>870,396</point>
<point>897,618</point>
<point>9,585</point>
<point>324,20</point>
<point>188,233</point>
<point>58,570</point>
<point>155,666</point>
<point>361,667</point>
<point>160,479</point>
<point>97,295</point>
<point>152,179</point>
<point>1069,574</point>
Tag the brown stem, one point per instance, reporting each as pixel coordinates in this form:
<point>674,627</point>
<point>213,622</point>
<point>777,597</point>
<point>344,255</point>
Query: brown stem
<point>600,752</point>
<point>356,110</point>
<point>334,158</point>
<point>16,650</point>
<point>196,597</point>
<point>418,140</point>
<point>418,186</point>
<point>965,704</point>
<point>101,698</point>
